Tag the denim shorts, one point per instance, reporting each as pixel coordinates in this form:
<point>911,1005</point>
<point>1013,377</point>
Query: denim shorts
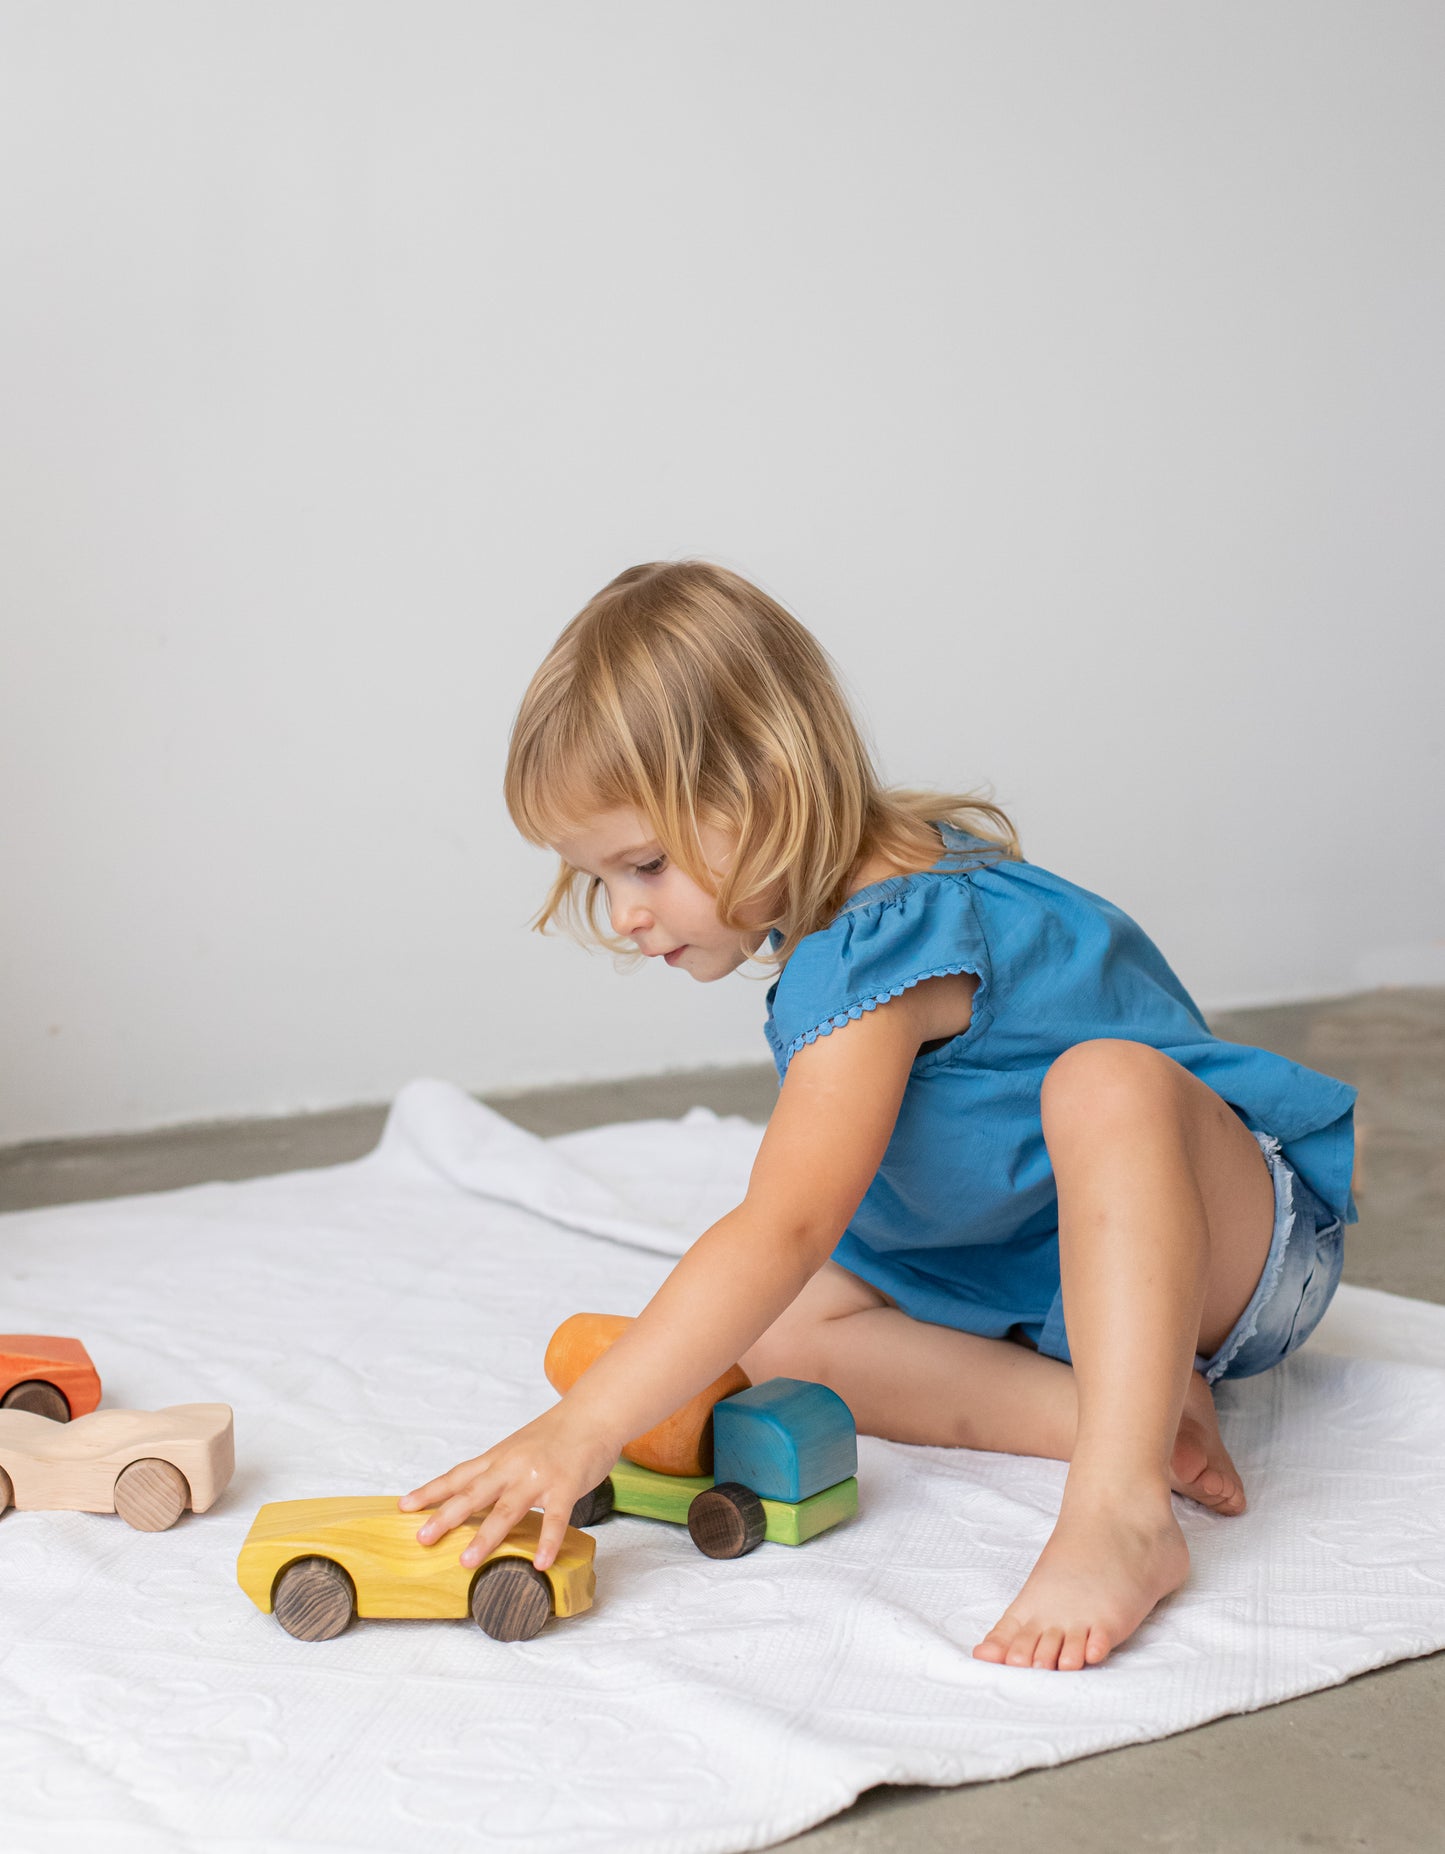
<point>1301,1273</point>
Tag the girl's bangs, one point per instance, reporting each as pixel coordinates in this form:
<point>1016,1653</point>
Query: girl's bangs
<point>558,790</point>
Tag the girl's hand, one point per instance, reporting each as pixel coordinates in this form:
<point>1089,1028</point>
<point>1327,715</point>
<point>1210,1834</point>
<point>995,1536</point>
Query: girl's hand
<point>550,1464</point>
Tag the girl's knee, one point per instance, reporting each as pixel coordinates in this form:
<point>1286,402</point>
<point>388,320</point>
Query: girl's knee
<point>1107,1077</point>
<point>798,1342</point>
<point>788,1349</point>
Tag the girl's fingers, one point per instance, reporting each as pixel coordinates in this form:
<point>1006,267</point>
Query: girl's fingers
<point>450,1482</point>
<point>554,1530</point>
<point>454,1512</point>
<point>423,1496</point>
<point>494,1528</point>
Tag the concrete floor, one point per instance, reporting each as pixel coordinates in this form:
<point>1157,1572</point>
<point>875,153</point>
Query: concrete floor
<point>1357,1767</point>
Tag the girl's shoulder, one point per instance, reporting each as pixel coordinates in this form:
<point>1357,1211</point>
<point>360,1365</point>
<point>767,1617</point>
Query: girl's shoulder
<point>886,938</point>
<point>1046,952</point>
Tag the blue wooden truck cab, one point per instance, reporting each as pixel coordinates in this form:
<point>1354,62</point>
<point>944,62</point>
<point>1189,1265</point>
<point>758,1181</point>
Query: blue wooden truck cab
<point>785,1459</point>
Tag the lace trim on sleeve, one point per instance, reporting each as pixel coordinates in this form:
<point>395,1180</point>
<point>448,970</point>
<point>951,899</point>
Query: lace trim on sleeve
<point>871,1003</point>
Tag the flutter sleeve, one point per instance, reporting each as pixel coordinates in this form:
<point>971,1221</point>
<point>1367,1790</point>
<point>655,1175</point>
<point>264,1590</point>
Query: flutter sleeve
<point>926,927</point>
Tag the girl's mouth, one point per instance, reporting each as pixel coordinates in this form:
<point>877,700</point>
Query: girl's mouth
<point>672,958</point>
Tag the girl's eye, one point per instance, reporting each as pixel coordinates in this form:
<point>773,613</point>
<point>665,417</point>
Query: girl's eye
<point>655,867</point>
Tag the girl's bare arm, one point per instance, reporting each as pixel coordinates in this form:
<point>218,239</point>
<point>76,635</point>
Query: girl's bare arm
<point>822,1147</point>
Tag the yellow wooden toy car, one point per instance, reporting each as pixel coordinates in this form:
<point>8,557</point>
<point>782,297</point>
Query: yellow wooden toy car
<point>314,1564</point>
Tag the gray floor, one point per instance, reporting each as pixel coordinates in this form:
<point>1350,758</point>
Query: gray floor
<point>1358,1767</point>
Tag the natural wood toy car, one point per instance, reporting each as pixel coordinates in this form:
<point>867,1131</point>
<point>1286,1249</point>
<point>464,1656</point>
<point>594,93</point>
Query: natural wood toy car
<point>47,1376</point>
<point>314,1564</point>
<point>146,1465</point>
<point>738,1465</point>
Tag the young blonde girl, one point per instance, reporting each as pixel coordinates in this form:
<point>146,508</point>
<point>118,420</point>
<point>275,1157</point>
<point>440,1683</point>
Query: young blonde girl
<point>1013,1194</point>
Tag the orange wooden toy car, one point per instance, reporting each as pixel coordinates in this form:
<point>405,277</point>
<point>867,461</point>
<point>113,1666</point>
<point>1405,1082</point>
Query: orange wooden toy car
<point>47,1376</point>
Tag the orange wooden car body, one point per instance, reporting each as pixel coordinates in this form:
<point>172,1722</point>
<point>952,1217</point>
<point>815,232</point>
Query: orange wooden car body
<point>65,1363</point>
<point>680,1443</point>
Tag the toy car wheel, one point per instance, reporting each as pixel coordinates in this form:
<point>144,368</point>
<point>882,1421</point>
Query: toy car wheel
<point>40,1398</point>
<point>511,1600</point>
<point>313,1599</point>
<point>727,1521</point>
<point>7,1492</point>
<point>151,1495</point>
<point>595,1505</point>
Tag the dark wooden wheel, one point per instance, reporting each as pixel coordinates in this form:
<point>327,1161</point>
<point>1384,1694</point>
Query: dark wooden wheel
<point>151,1495</point>
<point>595,1505</point>
<point>40,1398</point>
<point>313,1599</point>
<point>511,1600</point>
<point>727,1521</point>
<point>7,1492</point>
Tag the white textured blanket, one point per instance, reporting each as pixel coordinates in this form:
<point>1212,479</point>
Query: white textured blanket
<point>373,1323</point>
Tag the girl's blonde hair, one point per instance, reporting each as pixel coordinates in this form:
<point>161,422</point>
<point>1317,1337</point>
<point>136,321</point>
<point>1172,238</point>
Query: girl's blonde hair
<point>684,693</point>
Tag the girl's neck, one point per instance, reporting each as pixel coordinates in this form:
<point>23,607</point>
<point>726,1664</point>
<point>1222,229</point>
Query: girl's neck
<point>875,867</point>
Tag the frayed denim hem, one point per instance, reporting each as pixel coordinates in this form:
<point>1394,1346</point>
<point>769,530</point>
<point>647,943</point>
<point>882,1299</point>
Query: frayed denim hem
<point>1285,1216</point>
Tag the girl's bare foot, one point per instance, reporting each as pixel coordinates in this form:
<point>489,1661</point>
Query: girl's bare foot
<point>1109,1561</point>
<point>1200,1468</point>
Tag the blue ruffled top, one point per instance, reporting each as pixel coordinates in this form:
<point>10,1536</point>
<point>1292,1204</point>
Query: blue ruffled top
<point>960,1223</point>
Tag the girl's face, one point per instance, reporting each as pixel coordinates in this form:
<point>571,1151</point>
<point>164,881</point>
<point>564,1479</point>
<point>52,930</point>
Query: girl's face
<point>652,902</point>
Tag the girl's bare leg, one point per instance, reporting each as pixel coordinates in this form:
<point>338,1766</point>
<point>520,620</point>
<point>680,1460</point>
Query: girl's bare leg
<point>1166,1209</point>
<point>908,1381</point>
<point>1166,1212</point>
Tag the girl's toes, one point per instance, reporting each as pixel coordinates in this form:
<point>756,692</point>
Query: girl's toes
<point>1098,1646</point>
<point>1001,1640</point>
<point>1218,1491</point>
<point>1021,1649</point>
<point>1209,1483</point>
<point>1071,1654</point>
<point>1047,1652</point>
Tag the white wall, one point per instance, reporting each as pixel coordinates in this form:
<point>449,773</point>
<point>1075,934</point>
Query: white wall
<point>1074,371</point>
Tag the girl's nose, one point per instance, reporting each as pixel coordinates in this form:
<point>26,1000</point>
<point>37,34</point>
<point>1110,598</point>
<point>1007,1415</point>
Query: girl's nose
<point>630,920</point>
